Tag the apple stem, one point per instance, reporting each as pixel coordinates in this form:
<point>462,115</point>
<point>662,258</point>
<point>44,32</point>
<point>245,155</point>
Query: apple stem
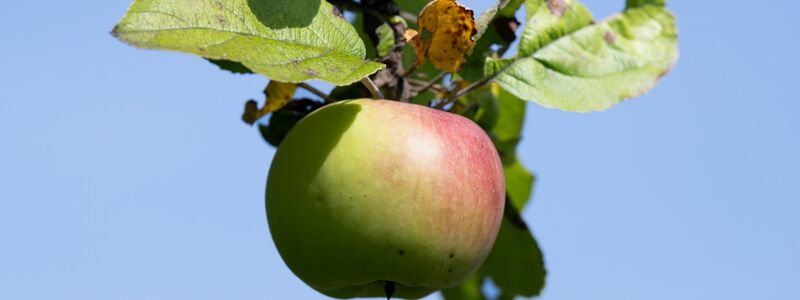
<point>388,287</point>
<point>373,89</point>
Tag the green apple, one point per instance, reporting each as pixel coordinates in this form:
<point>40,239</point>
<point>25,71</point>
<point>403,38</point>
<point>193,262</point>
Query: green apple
<point>372,197</point>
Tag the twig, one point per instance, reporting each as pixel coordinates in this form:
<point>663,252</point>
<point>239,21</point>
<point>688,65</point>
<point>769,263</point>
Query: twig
<point>437,87</point>
<point>464,91</point>
<point>471,87</point>
<point>431,83</point>
<point>373,89</point>
<point>408,16</point>
<point>409,71</point>
<point>317,92</point>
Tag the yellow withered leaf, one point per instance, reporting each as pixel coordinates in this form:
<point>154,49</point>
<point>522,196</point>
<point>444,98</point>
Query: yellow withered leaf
<point>451,26</point>
<point>278,94</point>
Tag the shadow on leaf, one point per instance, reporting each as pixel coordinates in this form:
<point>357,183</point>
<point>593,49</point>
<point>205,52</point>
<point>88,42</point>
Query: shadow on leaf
<point>277,14</point>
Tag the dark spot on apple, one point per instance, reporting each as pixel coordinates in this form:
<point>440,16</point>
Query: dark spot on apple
<point>401,252</point>
<point>450,271</point>
<point>319,198</point>
<point>452,255</point>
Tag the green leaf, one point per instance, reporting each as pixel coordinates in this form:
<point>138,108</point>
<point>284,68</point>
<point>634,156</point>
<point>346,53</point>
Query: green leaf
<point>385,39</point>
<point>637,3</point>
<point>495,27</point>
<point>423,98</point>
<point>519,182</point>
<point>487,111</point>
<point>230,66</point>
<point>411,6</point>
<point>594,67</point>
<point>547,25</point>
<point>280,122</point>
<point>467,290</point>
<point>511,9</point>
<point>473,68</point>
<point>507,134</point>
<point>358,23</point>
<point>284,119</point>
<point>508,128</point>
<point>483,21</point>
<point>532,6</point>
<point>286,40</point>
<point>515,264</point>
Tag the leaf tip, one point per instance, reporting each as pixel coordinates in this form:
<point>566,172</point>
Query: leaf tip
<point>114,32</point>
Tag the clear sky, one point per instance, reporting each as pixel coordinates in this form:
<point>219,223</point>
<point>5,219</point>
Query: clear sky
<point>127,174</point>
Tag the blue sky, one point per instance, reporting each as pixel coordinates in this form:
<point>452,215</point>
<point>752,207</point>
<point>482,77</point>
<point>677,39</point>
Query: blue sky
<point>127,174</point>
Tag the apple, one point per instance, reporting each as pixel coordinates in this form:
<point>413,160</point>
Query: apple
<point>369,198</point>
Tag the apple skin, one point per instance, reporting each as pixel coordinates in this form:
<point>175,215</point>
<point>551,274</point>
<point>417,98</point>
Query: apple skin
<point>362,192</point>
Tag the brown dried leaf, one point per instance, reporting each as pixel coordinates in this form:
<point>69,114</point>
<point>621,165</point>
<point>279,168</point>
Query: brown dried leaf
<point>451,26</point>
<point>414,39</point>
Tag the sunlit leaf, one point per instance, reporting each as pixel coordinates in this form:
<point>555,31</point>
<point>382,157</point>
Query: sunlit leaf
<point>594,67</point>
<point>286,40</point>
<point>551,22</point>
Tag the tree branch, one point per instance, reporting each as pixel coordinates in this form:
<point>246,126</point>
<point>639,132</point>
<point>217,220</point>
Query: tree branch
<point>431,83</point>
<point>460,93</point>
